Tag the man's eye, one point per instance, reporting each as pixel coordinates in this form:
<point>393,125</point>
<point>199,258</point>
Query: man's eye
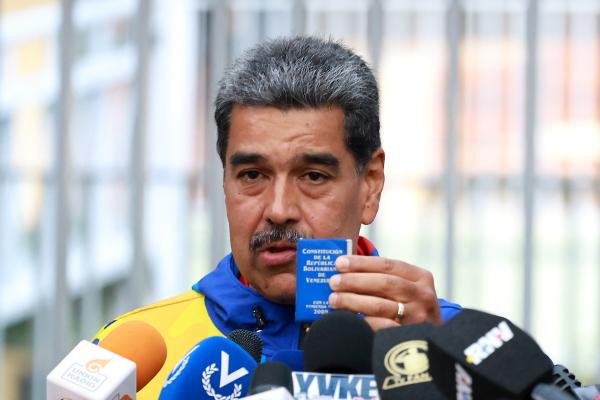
<point>250,175</point>
<point>316,176</point>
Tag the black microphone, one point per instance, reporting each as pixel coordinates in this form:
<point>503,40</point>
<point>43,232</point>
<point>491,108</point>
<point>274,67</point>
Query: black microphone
<point>482,356</point>
<point>339,342</point>
<point>337,358</point>
<point>271,375</point>
<point>248,341</point>
<point>401,364</point>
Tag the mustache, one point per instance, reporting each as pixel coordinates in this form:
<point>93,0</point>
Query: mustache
<point>274,234</point>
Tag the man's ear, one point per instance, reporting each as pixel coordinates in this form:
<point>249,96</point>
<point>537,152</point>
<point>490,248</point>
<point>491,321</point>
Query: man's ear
<point>373,179</point>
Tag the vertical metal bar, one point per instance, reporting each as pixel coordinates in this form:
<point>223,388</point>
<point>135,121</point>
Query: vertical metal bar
<point>62,176</point>
<point>91,302</point>
<point>529,172</point>
<point>137,282</point>
<point>453,20</point>
<point>51,333</point>
<point>299,17</point>
<point>218,46</point>
<point>375,28</point>
<point>2,183</point>
<point>596,178</point>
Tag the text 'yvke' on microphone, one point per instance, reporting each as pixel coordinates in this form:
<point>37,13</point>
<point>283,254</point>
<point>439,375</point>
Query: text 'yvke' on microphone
<point>271,381</point>
<point>401,363</point>
<point>215,368</point>
<point>476,355</point>
<point>122,364</point>
<point>337,359</point>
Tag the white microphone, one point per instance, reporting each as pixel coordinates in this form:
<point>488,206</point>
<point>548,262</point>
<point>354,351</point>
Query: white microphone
<point>127,359</point>
<point>90,372</point>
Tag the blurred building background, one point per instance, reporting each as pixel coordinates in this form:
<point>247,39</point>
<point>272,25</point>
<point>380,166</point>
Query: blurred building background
<point>110,193</point>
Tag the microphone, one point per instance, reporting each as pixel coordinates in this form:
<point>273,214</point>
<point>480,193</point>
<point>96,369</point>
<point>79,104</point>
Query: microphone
<point>141,343</point>
<point>483,356</point>
<point>248,341</point>
<point>269,376</point>
<point>132,352</point>
<point>215,368</point>
<point>401,364</point>
<point>339,342</point>
<point>337,356</point>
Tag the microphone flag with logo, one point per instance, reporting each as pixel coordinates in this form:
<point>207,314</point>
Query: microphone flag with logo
<point>476,355</point>
<point>401,364</point>
<point>337,356</point>
<point>124,362</point>
<point>90,372</point>
<point>216,368</point>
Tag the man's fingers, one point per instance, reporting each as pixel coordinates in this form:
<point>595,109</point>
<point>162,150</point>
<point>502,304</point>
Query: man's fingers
<point>372,306</point>
<point>381,265</point>
<point>367,305</point>
<point>375,284</point>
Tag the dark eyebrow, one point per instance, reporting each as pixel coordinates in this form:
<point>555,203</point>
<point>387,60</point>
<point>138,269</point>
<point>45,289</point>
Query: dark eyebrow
<point>237,159</point>
<point>326,159</point>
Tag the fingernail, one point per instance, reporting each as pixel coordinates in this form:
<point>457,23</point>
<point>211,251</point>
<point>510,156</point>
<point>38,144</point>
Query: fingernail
<point>333,299</point>
<point>334,281</point>
<point>342,264</point>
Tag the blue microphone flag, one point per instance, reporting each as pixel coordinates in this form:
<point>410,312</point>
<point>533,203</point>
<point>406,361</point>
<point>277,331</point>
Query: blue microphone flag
<point>213,369</point>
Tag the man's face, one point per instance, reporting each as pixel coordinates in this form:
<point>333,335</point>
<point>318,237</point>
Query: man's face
<point>288,174</point>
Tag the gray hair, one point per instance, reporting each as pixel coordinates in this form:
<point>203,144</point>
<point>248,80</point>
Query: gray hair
<point>304,72</point>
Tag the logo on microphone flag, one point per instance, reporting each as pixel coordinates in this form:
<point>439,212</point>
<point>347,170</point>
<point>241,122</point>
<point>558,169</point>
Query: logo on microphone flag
<point>87,377</point>
<point>225,378</point>
<point>488,343</point>
<point>408,364</point>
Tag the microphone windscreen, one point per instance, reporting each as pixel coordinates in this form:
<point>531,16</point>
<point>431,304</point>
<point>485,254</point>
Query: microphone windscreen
<point>248,341</point>
<point>294,359</point>
<point>339,342</point>
<point>271,375</point>
<point>141,343</point>
<point>486,356</point>
<point>401,364</point>
<point>213,369</point>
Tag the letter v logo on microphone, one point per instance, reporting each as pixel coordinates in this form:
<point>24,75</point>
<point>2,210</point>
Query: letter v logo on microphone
<point>226,378</point>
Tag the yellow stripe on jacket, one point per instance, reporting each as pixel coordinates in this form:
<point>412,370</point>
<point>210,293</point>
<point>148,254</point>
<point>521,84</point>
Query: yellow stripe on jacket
<point>181,320</point>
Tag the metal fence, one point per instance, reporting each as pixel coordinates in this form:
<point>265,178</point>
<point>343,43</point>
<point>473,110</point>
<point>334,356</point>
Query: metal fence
<point>110,188</point>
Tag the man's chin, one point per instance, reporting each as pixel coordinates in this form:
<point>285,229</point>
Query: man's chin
<point>284,300</point>
<point>280,289</point>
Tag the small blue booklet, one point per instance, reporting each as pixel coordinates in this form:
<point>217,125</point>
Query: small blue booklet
<point>315,264</point>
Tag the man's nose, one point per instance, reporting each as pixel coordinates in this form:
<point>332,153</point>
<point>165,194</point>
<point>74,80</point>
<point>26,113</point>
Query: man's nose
<point>283,203</point>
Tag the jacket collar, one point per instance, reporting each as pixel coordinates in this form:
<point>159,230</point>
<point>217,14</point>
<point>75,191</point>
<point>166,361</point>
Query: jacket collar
<point>230,305</point>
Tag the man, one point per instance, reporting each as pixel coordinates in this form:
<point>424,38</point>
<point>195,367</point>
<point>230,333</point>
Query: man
<point>298,136</point>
